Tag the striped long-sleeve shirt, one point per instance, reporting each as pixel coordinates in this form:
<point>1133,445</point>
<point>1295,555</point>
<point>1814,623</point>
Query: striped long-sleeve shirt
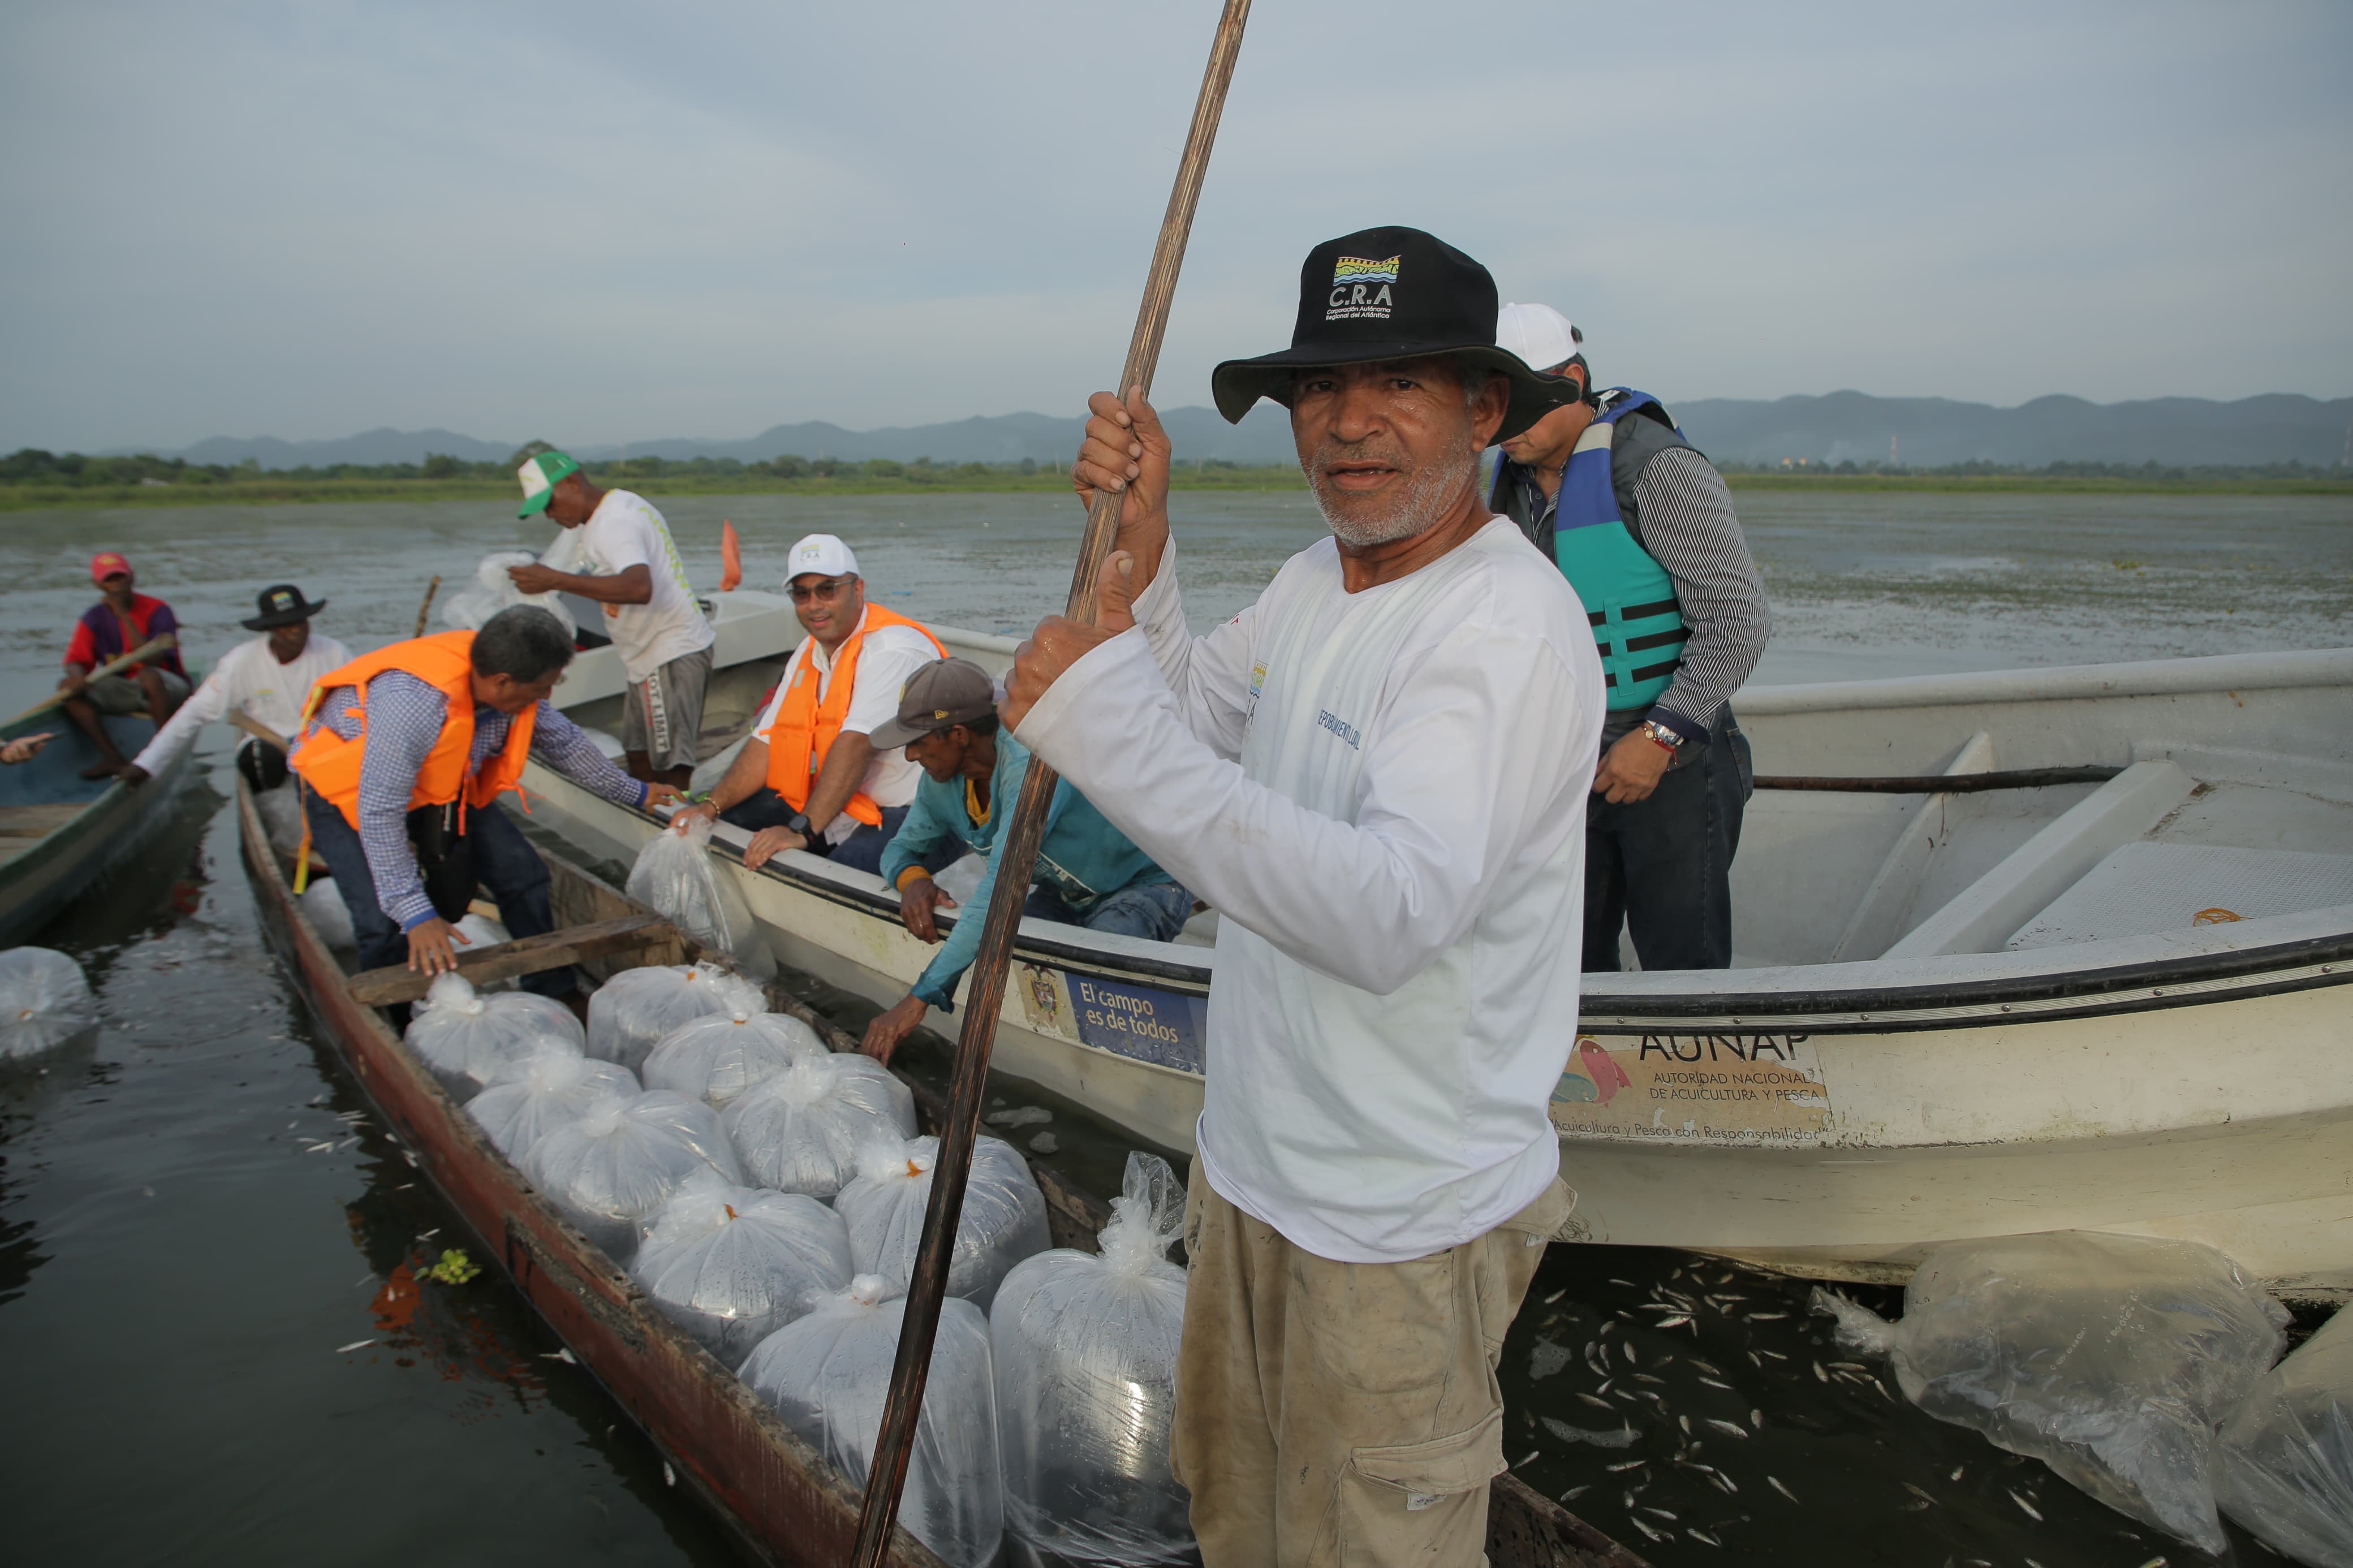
<point>405,716</point>
<point>1683,517</point>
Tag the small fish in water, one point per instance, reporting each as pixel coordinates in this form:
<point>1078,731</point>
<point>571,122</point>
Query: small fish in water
<point>2026,1507</point>
<point>1677,1322</point>
<point>1756,1419</point>
<point>1632,1359</point>
<point>1776,1355</point>
<point>1628,1283</point>
<point>1573,1493</point>
<point>1650,1530</point>
<point>669,1477</point>
<point>355,1345</point>
<point>1623,1437</point>
<point>1849,1366</point>
<point>1683,1422</point>
<point>1626,1465</point>
<point>1705,1367</point>
<point>1646,1377</point>
<point>1917,1492</point>
<point>1704,1537</point>
<point>1659,1513</point>
<point>1597,1400</point>
<point>1720,1479</point>
<point>1605,1328</point>
<point>1523,1459</point>
<point>1715,1383</point>
<point>1556,1295</point>
<point>560,1354</point>
<point>1755,1360</point>
<point>1819,1375</point>
<point>1915,1506</point>
<point>1774,1482</point>
<point>1733,1428</point>
<point>2154,1563</point>
<point>1956,1472</point>
<point>1767,1317</point>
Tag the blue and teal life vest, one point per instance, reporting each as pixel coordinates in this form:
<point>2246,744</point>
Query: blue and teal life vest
<point>1637,623</point>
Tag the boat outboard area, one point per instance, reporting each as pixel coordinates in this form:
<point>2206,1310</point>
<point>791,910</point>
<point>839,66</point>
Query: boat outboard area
<point>2021,950</point>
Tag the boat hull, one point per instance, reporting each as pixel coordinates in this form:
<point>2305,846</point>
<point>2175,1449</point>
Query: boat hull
<point>106,823</point>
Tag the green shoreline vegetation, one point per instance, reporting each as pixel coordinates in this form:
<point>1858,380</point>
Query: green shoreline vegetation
<point>31,478</point>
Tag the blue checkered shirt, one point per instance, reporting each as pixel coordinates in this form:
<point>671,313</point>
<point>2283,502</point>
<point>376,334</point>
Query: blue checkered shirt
<point>405,716</point>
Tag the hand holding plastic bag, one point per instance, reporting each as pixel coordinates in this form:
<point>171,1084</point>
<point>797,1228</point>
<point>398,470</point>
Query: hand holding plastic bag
<point>674,873</point>
<point>2109,1358</point>
<point>1084,1346</point>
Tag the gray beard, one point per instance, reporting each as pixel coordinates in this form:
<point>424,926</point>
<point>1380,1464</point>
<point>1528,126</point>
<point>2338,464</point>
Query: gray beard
<point>1430,493</point>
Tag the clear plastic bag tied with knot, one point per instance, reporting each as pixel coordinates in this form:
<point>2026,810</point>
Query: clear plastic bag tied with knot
<point>695,1124</point>
<point>2108,1357</point>
<point>616,1164</point>
<point>1004,1218</point>
<point>732,1264</point>
<point>465,1038</point>
<point>629,1014</point>
<point>675,874</point>
<point>532,1096</point>
<point>44,1002</point>
<point>1084,1346</point>
<point>800,1132</point>
<point>714,1058</point>
<point>826,1376</point>
<point>323,907</point>
<point>2284,1469</point>
<point>492,590</point>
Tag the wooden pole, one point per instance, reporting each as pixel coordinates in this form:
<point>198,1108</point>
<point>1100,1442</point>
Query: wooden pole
<point>426,608</point>
<point>115,665</point>
<point>1017,855</point>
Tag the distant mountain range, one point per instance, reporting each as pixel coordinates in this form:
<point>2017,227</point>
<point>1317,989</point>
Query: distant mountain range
<point>1844,426</point>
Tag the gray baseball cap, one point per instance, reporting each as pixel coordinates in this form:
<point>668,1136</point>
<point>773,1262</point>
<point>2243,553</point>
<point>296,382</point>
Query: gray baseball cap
<point>946,691</point>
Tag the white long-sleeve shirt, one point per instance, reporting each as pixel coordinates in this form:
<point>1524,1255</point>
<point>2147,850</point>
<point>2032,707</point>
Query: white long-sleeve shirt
<point>1383,796</point>
<point>248,679</point>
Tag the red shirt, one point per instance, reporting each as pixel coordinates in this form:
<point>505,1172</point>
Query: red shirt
<point>97,635</point>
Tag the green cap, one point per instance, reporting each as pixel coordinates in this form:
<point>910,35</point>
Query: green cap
<point>540,477</point>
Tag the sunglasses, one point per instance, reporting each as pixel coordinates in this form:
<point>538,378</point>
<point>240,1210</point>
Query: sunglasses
<point>830,588</point>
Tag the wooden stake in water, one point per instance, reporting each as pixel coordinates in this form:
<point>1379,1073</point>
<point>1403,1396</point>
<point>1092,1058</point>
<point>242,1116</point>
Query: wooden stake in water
<point>426,608</point>
<point>1017,854</point>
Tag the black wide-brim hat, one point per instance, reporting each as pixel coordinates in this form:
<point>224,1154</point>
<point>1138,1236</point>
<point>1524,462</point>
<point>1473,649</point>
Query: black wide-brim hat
<point>1390,294</point>
<point>281,604</point>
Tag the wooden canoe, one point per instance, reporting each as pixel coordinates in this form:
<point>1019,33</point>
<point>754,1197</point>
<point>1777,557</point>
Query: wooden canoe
<point>59,831</point>
<point>784,1502</point>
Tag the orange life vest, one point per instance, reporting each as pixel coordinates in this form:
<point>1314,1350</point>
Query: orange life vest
<point>331,764</point>
<point>804,727</point>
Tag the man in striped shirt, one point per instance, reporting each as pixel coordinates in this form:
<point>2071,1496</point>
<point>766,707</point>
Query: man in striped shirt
<point>395,706</point>
<point>1642,526</point>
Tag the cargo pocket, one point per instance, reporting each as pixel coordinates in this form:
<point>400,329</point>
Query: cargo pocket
<point>1420,1502</point>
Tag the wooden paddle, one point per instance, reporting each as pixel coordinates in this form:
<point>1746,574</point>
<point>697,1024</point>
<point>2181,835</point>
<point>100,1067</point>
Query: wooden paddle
<point>1017,855</point>
<point>147,649</point>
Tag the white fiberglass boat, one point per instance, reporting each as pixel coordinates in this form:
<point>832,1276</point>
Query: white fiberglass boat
<point>2110,993</point>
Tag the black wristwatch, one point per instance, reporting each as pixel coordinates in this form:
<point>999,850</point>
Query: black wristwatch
<point>798,822</point>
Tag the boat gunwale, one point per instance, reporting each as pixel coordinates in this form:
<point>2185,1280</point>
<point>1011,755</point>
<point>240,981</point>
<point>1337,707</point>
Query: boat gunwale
<point>2131,985</point>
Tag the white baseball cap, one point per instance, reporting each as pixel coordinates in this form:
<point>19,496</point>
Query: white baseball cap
<point>823,555</point>
<point>1540,335</point>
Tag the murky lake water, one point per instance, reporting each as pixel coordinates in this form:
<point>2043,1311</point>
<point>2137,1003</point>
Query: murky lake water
<point>180,1271</point>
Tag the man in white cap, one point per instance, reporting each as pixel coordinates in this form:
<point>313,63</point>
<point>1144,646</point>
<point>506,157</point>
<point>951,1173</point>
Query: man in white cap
<point>1643,527</point>
<point>630,566</point>
<point>810,777</point>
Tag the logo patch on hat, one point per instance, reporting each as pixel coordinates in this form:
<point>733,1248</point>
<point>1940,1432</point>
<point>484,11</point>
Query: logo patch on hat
<point>1360,288</point>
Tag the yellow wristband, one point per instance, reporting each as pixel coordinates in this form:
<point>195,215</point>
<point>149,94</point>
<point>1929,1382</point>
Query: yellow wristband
<point>910,875</point>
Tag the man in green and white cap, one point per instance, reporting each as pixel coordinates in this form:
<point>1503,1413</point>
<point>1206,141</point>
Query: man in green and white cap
<point>630,566</point>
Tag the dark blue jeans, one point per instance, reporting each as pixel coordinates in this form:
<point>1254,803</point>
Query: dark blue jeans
<point>1156,911</point>
<point>862,851</point>
<point>505,862</point>
<point>1660,868</point>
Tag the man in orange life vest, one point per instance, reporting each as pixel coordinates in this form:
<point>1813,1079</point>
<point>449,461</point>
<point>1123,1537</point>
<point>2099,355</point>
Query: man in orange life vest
<point>413,745</point>
<point>810,778</point>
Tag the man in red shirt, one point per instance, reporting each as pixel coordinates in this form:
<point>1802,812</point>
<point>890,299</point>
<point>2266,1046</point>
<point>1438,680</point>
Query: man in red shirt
<point>122,621</point>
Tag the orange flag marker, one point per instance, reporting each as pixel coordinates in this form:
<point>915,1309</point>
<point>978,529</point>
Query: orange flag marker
<point>731,558</point>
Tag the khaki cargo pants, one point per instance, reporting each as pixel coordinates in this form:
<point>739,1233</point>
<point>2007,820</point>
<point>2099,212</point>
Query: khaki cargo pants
<point>1345,1414</point>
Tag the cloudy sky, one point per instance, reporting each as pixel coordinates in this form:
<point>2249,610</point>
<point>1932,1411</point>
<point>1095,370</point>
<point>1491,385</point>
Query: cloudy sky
<point>604,222</point>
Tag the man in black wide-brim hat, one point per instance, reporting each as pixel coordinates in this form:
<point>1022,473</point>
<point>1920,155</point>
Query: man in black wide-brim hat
<point>267,680</point>
<point>1378,775</point>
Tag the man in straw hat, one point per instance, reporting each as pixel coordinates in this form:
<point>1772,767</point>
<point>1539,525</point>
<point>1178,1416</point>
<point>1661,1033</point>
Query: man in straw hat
<point>265,680</point>
<point>1378,775</point>
<point>1643,527</point>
